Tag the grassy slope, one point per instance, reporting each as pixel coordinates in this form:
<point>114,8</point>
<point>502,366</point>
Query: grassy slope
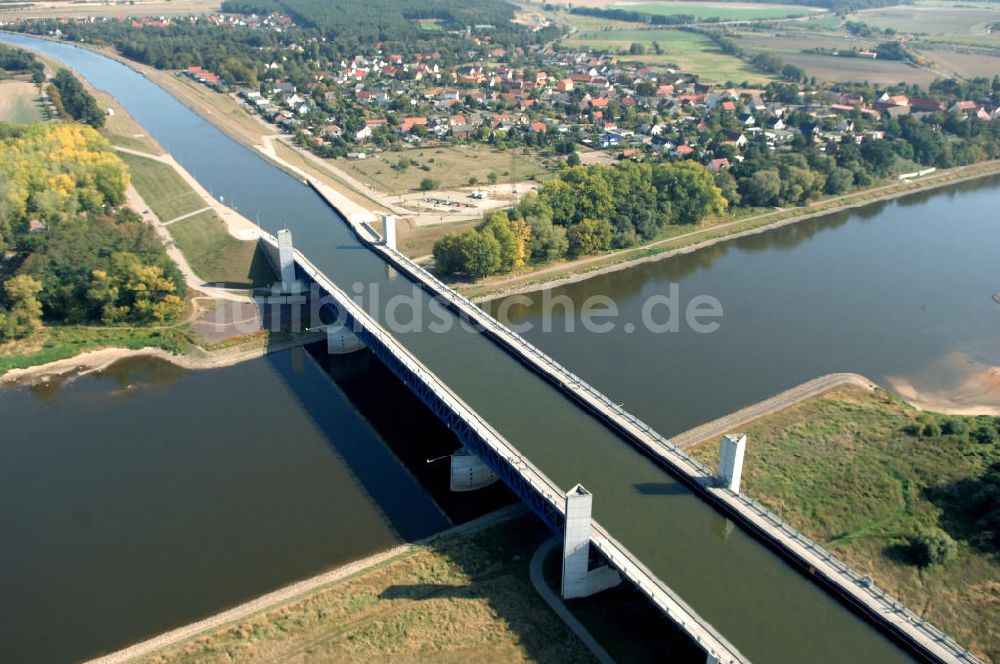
<point>121,129</point>
<point>163,190</point>
<point>213,253</point>
<point>840,468</point>
<point>463,598</point>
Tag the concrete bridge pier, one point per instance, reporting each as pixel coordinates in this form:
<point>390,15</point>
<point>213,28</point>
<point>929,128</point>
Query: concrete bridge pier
<point>341,341</point>
<point>286,263</point>
<point>389,230</point>
<point>731,460</point>
<point>469,472</point>
<point>577,579</point>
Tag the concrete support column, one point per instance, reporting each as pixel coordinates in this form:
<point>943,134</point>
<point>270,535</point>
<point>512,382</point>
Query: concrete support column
<point>469,472</point>
<point>731,460</point>
<point>286,261</point>
<point>389,230</point>
<point>341,341</point>
<point>577,579</point>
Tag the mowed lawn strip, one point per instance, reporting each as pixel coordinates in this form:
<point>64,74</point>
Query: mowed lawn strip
<point>842,469</point>
<point>163,190</point>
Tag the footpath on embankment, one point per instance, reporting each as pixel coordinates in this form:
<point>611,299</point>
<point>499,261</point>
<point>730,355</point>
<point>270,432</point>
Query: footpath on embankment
<point>807,390</point>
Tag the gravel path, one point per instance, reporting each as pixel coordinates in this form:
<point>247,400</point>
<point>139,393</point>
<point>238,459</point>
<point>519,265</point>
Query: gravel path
<point>731,422</point>
<point>556,603</point>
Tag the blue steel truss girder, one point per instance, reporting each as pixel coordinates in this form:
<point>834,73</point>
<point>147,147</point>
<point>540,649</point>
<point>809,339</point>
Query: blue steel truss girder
<point>504,468</point>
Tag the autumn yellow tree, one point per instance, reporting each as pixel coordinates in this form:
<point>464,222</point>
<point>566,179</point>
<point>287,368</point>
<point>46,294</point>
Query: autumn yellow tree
<point>23,313</point>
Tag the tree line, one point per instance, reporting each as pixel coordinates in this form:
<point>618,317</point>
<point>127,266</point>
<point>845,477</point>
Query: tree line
<point>73,101</point>
<point>17,61</point>
<point>632,16</point>
<point>586,210</point>
<point>326,31</point>
<point>74,254</point>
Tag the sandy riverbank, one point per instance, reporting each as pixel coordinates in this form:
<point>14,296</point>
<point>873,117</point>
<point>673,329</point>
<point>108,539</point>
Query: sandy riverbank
<point>579,270</point>
<point>100,359</point>
<point>957,383</point>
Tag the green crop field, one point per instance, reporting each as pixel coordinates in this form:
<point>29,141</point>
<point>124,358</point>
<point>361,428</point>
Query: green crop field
<point>726,12</point>
<point>691,52</point>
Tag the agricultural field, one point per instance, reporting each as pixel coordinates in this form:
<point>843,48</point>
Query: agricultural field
<point>688,51</point>
<point>449,167</point>
<point>19,102</point>
<point>966,65</point>
<point>823,22</point>
<point>860,70</point>
<point>954,20</point>
<point>843,468</point>
<point>790,46</point>
<point>726,11</point>
<point>593,23</point>
<point>73,8</point>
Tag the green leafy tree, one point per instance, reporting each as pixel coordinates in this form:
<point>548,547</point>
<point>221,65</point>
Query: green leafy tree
<point>481,254</point>
<point>839,180</point>
<point>589,237</point>
<point>512,241</point>
<point>76,102</point>
<point>761,188</point>
<point>933,547</point>
<point>691,189</point>
<point>23,310</point>
<point>448,257</point>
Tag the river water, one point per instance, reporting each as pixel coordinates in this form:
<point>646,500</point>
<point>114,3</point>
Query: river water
<point>145,496</point>
<point>758,602</point>
<point>900,291</point>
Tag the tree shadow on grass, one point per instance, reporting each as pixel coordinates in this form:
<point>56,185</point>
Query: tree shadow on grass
<point>900,552</point>
<point>970,510</point>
